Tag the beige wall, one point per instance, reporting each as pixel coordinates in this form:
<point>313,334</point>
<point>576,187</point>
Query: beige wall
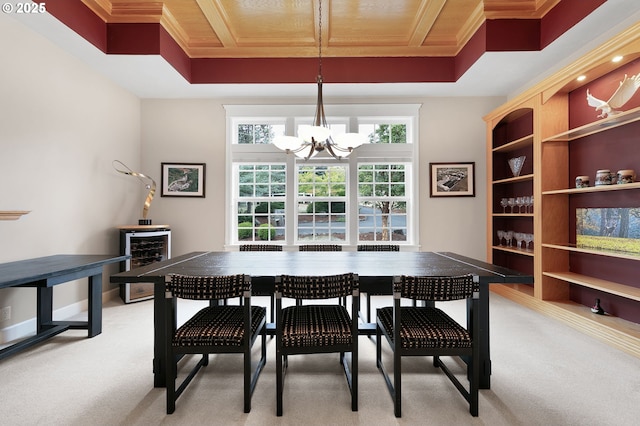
<point>451,129</point>
<point>61,125</point>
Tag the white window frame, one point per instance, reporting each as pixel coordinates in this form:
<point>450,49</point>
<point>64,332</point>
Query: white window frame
<point>352,115</point>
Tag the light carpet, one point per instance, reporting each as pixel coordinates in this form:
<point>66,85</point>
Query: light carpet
<point>544,373</point>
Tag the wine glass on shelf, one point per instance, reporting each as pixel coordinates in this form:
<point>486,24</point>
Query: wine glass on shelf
<point>528,238</point>
<point>531,203</point>
<point>508,235</point>
<point>519,203</point>
<point>500,236</point>
<point>527,203</point>
<point>511,202</point>
<point>504,203</point>
<point>519,236</point>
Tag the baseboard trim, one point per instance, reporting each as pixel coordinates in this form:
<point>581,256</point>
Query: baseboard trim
<point>21,330</point>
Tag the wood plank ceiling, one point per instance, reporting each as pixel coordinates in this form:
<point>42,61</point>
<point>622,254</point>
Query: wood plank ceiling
<point>289,28</point>
<point>277,41</point>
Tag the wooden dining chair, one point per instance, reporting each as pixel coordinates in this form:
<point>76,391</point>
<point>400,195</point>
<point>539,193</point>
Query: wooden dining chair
<point>429,331</point>
<point>376,247</point>
<point>213,329</point>
<point>263,286</point>
<point>317,328</point>
<point>320,247</point>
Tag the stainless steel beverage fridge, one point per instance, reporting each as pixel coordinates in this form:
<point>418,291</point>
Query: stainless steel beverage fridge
<point>145,244</point>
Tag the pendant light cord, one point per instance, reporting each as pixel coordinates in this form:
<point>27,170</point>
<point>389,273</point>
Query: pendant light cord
<point>320,40</point>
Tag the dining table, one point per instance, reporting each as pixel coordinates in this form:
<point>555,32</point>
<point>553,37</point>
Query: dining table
<point>375,272</point>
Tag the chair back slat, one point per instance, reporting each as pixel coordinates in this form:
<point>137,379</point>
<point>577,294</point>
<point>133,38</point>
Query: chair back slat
<point>320,247</point>
<point>436,288</point>
<point>208,287</point>
<point>260,247</point>
<point>316,287</point>
<point>378,247</point>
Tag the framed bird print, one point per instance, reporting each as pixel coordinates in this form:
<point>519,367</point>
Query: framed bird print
<point>183,179</point>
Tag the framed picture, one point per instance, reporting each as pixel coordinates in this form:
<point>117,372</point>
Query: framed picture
<point>452,179</point>
<point>183,179</point>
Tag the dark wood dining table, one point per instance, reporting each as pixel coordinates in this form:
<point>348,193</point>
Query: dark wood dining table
<point>375,271</point>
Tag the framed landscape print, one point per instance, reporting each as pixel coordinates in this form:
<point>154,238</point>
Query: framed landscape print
<point>609,229</point>
<point>183,179</point>
<point>452,179</point>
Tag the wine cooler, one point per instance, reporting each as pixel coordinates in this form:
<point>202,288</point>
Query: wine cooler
<point>145,244</point>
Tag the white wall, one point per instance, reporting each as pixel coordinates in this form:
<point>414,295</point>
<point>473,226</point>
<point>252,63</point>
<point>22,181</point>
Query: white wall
<point>451,129</point>
<point>61,125</point>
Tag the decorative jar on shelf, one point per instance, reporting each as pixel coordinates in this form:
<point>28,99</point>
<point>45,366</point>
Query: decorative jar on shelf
<point>582,181</point>
<point>603,177</point>
<point>626,176</point>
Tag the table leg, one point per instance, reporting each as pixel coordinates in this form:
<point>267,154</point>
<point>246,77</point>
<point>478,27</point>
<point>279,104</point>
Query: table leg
<point>485,356</point>
<point>160,314</point>
<point>44,315</point>
<point>94,325</point>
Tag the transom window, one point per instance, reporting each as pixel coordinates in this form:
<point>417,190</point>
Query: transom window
<point>276,198</point>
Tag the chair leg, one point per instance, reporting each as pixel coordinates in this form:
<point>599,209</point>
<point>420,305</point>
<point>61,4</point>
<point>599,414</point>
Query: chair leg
<point>279,383</point>
<point>397,382</point>
<point>170,374</point>
<point>354,379</point>
<point>247,380</point>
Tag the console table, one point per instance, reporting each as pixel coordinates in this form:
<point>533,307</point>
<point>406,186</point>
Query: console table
<point>45,272</point>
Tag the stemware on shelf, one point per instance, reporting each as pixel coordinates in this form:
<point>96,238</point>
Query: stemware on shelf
<point>528,238</point>
<point>500,236</point>
<point>520,203</point>
<point>504,203</point>
<point>515,164</point>
<point>511,202</point>
<point>519,236</point>
<point>508,235</point>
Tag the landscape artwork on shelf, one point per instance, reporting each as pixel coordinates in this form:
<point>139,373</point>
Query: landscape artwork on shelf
<point>452,180</point>
<point>183,179</point>
<point>612,229</point>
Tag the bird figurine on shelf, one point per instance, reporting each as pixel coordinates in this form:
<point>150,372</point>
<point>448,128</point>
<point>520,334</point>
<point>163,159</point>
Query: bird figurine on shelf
<point>621,96</point>
<point>597,309</point>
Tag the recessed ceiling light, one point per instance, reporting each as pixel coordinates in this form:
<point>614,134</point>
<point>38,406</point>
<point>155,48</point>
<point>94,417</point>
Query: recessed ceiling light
<point>582,78</point>
<point>617,58</point>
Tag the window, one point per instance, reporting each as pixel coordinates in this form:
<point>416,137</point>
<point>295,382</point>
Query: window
<point>322,199</point>
<point>382,202</point>
<point>260,205</point>
<point>367,197</point>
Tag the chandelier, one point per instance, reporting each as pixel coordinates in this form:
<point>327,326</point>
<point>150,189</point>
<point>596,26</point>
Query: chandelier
<point>313,139</point>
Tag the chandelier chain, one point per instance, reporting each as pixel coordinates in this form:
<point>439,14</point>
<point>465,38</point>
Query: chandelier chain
<point>320,38</point>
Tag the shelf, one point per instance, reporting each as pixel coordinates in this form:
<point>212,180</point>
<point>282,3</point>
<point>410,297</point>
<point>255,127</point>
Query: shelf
<point>522,178</point>
<point>12,214</point>
<point>515,145</point>
<point>616,254</point>
<point>512,215</point>
<point>622,290</point>
<point>601,188</point>
<point>598,126</point>
<point>514,250</point>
